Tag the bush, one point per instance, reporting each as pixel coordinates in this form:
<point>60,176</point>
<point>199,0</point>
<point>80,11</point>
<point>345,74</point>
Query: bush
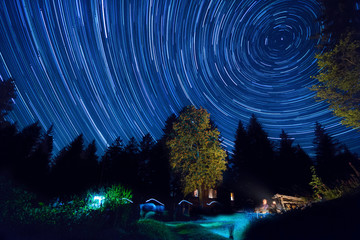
<point>18,206</point>
<point>116,195</point>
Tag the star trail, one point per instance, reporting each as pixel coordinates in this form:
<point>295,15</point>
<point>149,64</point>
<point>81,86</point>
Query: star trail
<point>119,68</point>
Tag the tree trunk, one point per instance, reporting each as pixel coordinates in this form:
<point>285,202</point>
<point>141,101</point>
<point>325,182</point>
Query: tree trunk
<point>201,196</point>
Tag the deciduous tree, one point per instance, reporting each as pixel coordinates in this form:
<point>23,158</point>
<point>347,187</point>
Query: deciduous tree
<point>195,151</point>
<point>339,80</point>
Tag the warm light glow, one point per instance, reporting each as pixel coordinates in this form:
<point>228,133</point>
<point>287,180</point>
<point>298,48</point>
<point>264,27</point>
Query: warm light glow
<point>196,193</point>
<point>232,196</point>
<point>212,193</point>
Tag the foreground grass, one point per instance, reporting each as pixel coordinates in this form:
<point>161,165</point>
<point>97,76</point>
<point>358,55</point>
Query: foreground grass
<point>194,232</point>
<point>146,229</point>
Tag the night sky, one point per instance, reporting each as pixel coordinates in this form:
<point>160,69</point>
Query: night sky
<point>120,68</point>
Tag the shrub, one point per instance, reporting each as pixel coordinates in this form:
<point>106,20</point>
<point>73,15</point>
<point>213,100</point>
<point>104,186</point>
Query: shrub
<point>116,195</point>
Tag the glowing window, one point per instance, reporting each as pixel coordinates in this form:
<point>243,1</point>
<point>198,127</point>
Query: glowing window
<point>196,193</point>
<point>232,196</point>
<point>212,193</point>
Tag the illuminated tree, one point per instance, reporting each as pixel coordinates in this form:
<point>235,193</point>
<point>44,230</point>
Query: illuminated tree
<point>320,189</point>
<point>195,151</point>
<point>339,80</point>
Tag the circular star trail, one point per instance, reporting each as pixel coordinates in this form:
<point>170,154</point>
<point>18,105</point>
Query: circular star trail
<point>120,68</point>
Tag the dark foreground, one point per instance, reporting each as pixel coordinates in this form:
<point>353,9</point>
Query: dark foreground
<point>335,219</point>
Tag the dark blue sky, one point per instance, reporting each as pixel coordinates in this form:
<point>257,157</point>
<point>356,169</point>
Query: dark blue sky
<point>120,68</point>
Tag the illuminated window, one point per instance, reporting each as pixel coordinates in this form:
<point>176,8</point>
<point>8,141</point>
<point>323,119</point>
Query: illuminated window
<point>212,193</point>
<point>232,196</point>
<point>196,193</point>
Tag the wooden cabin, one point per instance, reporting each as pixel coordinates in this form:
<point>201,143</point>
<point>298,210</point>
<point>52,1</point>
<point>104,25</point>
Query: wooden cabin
<point>285,203</point>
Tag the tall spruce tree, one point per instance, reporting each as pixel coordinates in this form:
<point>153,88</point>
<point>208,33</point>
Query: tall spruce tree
<point>239,169</point>
<point>326,151</point>
<point>111,161</point>
<point>90,166</point>
<point>262,164</point>
<point>293,165</point>
<point>302,173</point>
<point>285,164</point>
<point>129,164</point>
<point>165,181</point>
<point>146,169</point>
<point>7,94</point>
<point>333,160</point>
<point>67,168</point>
<point>27,141</point>
<point>39,163</point>
<point>8,131</point>
<point>241,156</point>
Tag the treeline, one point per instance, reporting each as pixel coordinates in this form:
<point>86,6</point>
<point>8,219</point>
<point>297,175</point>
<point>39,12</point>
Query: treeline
<point>261,168</point>
<point>257,168</point>
<point>26,157</point>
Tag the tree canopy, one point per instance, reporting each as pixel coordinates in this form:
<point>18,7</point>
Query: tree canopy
<point>339,80</point>
<point>195,151</point>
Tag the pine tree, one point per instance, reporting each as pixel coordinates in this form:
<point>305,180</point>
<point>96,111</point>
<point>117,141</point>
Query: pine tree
<point>67,168</point>
<point>129,164</point>
<point>239,167</point>
<point>285,164</point>
<point>326,150</point>
<point>302,173</point>
<point>27,141</point>
<point>146,169</point>
<point>111,162</point>
<point>90,166</point>
<point>39,163</point>
<point>262,164</point>
<point>241,155</point>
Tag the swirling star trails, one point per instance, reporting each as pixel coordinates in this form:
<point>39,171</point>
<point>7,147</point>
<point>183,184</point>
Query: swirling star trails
<point>110,68</point>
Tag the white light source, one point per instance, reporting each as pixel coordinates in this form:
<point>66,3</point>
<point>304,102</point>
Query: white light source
<point>98,201</point>
<point>153,199</point>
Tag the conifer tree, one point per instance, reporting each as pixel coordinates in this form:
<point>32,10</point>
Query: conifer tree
<point>67,168</point>
<point>110,164</point>
<point>7,94</point>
